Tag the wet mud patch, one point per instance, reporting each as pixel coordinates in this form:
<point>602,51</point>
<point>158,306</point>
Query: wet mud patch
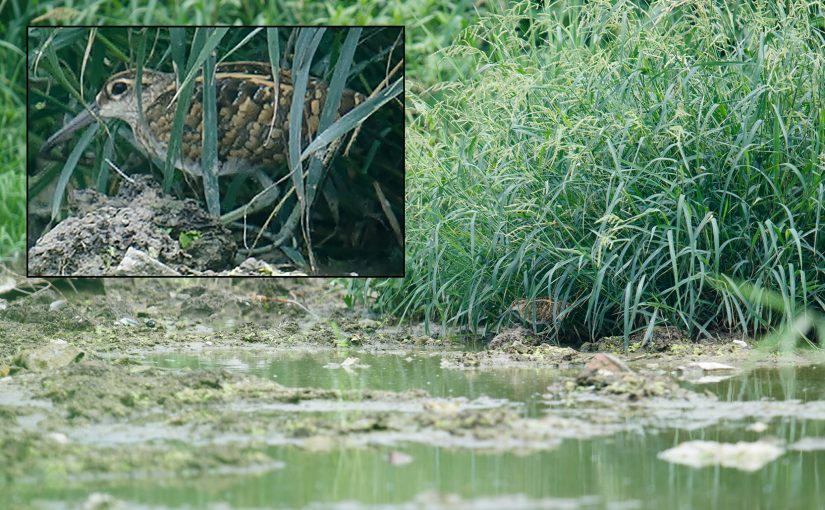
<point>514,355</point>
<point>167,236</point>
<point>665,342</point>
<point>227,382</point>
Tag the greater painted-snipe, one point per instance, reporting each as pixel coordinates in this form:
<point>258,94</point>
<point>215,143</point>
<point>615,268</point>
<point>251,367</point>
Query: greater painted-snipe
<point>248,138</point>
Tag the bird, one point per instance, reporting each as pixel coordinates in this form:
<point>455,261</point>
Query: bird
<point>248,137</point>
<point>538,312</point>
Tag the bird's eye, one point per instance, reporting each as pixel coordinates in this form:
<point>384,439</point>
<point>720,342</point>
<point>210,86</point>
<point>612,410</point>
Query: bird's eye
<point>119,88</point>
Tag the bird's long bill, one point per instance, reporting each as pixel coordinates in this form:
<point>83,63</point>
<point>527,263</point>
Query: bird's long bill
<point>82,120</point>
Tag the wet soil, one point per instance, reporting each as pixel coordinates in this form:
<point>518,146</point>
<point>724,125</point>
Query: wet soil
<point>86,392</point>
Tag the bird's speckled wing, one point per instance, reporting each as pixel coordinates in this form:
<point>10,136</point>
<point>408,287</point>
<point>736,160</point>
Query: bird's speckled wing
<point>245,101</point>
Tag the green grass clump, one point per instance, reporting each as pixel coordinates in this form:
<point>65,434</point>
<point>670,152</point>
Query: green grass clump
<point>12,135</point>
<point>631,163</point>
<point>12,184</point>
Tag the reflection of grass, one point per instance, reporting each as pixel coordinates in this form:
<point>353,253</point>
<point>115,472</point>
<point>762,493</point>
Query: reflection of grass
<point>615,159</point>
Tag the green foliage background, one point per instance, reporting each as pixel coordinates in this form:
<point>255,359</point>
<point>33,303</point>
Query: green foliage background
<point>632,163</point>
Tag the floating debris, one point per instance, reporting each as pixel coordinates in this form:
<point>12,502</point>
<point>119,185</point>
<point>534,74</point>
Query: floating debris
<point>757,427</point>
<point>348,364</point>
<point>743,455</point>
<point>808,444</point>
<point>706,372</point>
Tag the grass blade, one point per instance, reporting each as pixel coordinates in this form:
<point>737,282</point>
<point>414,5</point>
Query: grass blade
<point>69,167</point>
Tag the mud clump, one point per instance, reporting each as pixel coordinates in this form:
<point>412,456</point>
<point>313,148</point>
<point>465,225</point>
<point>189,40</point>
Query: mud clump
<point>608,375</point>
<point>201,303</point>
<point>37,309</point>
<point>48,357</point>
<point>663,339</point>
<point>508,337</point>
<point>513,355</point>
<point>30,455</point>
<point>95,239</point>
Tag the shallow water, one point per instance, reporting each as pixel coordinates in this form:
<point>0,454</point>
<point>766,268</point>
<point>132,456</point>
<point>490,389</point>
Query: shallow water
<point>399,372</point>
<point>618,471</point>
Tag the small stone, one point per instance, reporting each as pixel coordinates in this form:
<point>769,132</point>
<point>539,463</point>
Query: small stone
<point>49,357</point>
<point>139,263</point>
<point>607,362</point>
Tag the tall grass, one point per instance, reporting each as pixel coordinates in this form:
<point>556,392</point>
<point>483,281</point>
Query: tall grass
<point>12,154</point>
<point>632,163</point>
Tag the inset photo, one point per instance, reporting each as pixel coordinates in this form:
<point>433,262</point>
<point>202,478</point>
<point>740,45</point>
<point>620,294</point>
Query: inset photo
<point>215,151</point>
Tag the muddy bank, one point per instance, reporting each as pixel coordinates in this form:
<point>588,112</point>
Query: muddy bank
<point>174,236</point>
<point>141,231</point>
<point>82,394</point>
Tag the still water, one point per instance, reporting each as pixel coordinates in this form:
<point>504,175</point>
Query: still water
<point>619,471</point>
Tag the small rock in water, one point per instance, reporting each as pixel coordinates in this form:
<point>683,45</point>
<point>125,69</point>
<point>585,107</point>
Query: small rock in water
<point>348,364</point>
<point>697,372</point>
<point>607,362</point>
<point>710,366</point>
<point>101,501</point>
<point>809,444</point>
<point>58,437</point>
<point>57,305</point>
<point>743,455</point>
